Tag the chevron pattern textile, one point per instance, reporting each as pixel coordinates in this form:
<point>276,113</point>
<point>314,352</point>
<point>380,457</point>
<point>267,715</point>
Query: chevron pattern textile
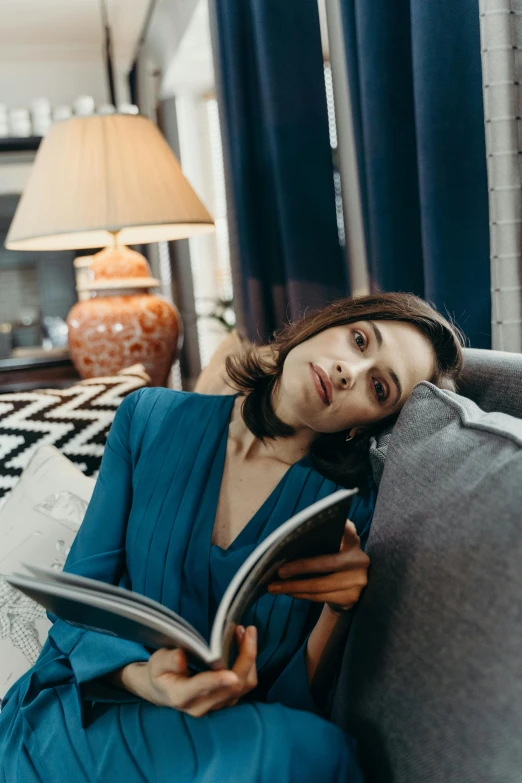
<point>75,420</point>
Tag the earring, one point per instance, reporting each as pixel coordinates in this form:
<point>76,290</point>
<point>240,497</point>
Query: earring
<point>349,437</point>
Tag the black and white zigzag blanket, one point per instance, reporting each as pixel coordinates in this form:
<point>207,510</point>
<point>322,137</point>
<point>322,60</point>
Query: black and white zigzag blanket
<point>75,420</point>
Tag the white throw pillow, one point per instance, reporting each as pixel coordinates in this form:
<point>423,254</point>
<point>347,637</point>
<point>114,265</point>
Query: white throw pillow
<point>38,523</point>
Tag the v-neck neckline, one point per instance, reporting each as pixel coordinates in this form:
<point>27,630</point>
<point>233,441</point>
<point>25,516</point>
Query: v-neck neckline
<point>277,489</point>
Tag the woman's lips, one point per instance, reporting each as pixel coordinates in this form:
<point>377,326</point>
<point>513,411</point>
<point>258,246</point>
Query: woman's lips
<point>322,383</point>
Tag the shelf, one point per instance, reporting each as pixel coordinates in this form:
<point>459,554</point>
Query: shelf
<point>26,359</point>
<point>12,144</point>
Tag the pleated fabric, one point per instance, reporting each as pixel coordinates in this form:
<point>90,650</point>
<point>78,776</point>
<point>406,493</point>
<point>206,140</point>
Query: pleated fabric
<point>148,527</point>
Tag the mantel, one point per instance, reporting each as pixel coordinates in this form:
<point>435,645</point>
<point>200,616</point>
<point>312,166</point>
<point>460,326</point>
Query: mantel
<point>26,372</point>
<point>19,144</point>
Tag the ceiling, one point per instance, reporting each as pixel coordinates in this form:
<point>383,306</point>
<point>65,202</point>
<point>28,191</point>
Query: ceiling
<point>70,29</point>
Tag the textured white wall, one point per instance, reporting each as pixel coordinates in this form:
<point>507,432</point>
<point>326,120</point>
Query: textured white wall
<point>61,81</point>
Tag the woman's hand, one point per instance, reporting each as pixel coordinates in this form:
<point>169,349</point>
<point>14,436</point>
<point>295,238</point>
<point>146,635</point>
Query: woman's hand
<point>164,679</point>
<point>346,574</point>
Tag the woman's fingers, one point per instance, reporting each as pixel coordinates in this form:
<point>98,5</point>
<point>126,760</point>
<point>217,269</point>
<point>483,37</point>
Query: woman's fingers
<point>198,694</point>
<point>344,598</point>
<point>350,556</point>
<point>245,670</point>
<point>231,684</point>
<point>246,659</point>
<point>164,660</point>
<point>205,685</point>
<point>350,538</point>
<point>322,564</point>
<point>350,531</point>
<point>342,580</point>
<point>343,569</point>
<point>171,681</point>
<point>245,666</point>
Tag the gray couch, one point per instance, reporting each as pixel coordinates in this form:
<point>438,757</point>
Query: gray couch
<point>430,682</point>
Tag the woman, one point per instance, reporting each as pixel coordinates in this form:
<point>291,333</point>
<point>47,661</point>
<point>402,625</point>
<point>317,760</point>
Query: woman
<point>189,485</point>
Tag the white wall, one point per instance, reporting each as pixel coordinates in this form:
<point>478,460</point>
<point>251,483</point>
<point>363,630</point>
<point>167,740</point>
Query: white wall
<point>14,174</point>
<point>190,70</point>
<point>60,80</point>
<point>166,29</point>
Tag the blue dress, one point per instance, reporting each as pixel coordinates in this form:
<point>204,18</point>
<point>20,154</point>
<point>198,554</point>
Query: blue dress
<point>148,527</point>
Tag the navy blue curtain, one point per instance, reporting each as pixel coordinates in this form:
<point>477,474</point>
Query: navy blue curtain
<point>278,164</point>
<point>415,80</point>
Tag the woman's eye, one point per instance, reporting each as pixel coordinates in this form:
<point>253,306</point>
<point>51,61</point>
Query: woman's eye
<point>359,340</point>
<point>380,391</point>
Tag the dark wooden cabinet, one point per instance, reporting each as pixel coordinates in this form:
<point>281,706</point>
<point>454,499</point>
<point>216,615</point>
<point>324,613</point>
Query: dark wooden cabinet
<point>25,373</point>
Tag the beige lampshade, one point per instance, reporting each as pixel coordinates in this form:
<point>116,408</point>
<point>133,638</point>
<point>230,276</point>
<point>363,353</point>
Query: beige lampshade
<point>100,174</point>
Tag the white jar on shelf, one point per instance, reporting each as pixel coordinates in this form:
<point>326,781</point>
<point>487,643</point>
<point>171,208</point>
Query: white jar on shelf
<point>84,105</point>
<point>41,125</point>
<point>128,108</point>
<point>61,113</point>
<point>41,116</point>
<point>41,106</point>
<point>20,123</point>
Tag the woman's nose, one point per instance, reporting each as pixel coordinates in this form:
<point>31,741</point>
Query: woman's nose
<point>344,375</point>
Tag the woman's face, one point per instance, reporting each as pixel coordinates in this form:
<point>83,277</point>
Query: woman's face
<point>353,375</point>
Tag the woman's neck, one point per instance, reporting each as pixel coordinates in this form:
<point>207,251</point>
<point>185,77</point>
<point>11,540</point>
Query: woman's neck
<point>247,446</point>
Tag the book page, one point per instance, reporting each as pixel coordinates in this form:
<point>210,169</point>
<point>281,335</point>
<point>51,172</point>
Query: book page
<point>112,614</point>
<point>64,577</point>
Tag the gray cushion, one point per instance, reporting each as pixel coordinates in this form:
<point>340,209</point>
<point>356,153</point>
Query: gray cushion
<point>493,379</point>
<point>378,448</point>
<point>431,680</point>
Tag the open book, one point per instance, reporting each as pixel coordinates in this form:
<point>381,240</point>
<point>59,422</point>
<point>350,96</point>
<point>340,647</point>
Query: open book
<point>98,606</point>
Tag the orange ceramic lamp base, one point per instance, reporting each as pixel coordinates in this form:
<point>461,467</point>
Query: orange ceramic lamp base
<point>122,323</point>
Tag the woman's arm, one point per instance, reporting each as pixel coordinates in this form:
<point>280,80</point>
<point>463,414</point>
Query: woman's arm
<point>301,684</point>
<point>110,669</point>
<point>318,640</point>
<point>98,551</point>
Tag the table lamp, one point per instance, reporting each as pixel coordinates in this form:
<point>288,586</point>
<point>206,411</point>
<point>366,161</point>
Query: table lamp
<point>109,181</point>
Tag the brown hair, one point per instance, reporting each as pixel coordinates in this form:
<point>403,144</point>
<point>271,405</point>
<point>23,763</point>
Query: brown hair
<point>256,371</point>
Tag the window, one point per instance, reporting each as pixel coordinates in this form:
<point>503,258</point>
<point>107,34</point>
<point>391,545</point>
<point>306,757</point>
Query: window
<point>202,162</point>
<point>332,130</point>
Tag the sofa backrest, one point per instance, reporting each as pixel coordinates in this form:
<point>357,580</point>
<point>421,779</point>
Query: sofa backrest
<point>430,682</point>
<point>493,379</point>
